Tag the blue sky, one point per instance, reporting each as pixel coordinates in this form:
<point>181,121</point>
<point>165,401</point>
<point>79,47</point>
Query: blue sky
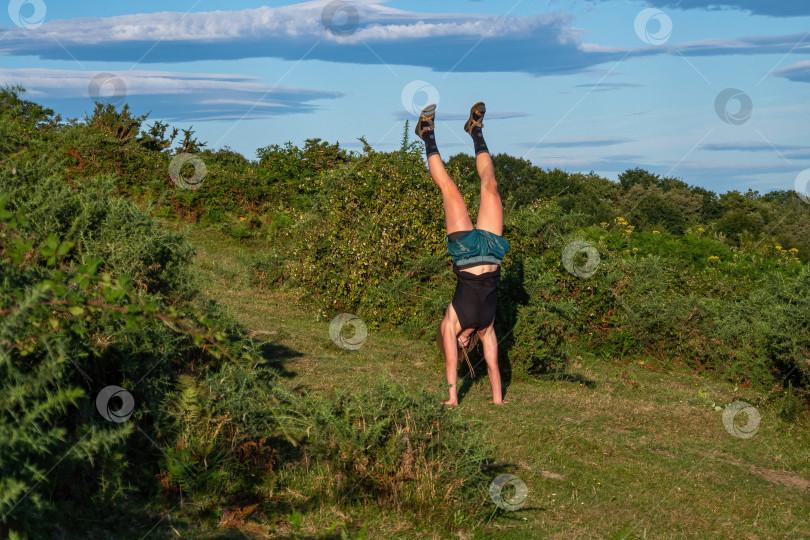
<point>710,92</point>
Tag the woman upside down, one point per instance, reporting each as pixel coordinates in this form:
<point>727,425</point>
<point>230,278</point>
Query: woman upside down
<point>476,252</point>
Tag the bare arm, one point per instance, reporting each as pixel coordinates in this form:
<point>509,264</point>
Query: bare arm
<point>490,342</point>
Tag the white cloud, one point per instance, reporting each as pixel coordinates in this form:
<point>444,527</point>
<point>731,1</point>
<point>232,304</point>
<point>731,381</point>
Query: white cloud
<point>363,32</point>
<point>182,96</point>
<point>439,41</point>
<point>799,72</point>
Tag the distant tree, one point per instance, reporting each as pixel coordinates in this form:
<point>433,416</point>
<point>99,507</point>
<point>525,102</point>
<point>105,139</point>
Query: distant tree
<point>654,211</point>
<point>404,146</point>
<point>711,205</point>
<point>11,106</point>
<point>638,176</point>
<point>122,126</point>
<point>320,155</point>
<point>735,223</point>
<point>155,139</point>
<point>190,144</point>
<point>780,197</point>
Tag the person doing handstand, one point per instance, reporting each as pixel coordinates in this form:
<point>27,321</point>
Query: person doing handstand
<point>476,252</point>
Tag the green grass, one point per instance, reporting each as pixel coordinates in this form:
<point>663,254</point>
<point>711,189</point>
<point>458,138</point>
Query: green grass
<point>611,450</point>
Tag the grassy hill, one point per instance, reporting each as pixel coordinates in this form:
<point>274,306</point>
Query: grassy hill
<point>167,369</point>
<point>616,449</point>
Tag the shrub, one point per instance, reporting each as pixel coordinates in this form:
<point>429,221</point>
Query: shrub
<point>372,221</point>
<point>394,448</point>
<point>71,324</point>
<point>100,224</point>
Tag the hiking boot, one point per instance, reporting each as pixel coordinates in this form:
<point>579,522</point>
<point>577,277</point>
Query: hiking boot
<point>425,123</point>
<point>476,115</point>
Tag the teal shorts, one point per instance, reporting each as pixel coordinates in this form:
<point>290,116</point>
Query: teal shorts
<point>476,247</point>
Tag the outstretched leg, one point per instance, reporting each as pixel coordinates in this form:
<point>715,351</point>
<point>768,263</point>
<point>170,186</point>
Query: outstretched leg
<point>456,216</point>
<point>490,210</point>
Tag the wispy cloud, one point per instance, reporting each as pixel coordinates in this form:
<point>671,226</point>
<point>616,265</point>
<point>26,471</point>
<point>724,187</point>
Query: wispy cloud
<point>799,72</point>
<point>604,87</point>
<point>789,43</point>
<point>578,142</point>
<point>736,167</point>
<point>169,95</point>
<point>439,41</point>
<point>773,8</point>
<point>754,146</point>
<point>442,116</point>
<point>538,44</point>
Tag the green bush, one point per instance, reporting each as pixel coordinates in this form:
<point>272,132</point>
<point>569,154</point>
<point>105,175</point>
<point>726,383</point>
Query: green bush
<point>73,323</point>
<point>766,332</point>
<point>371,221</point>
<point>101,224</point>
<point>395,448</point>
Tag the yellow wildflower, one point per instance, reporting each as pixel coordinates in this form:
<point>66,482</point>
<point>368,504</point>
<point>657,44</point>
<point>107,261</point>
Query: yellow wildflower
<point>656,232</point>
<point>714,258</point>
<point>778,248</point>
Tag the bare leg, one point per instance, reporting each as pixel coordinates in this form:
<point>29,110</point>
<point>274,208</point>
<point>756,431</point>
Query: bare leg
<point>455,211</point>
<point>490,343</point>
<point>490,211</point>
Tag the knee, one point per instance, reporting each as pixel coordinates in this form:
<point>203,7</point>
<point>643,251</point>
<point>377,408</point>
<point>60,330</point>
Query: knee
<point>490,184</point>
